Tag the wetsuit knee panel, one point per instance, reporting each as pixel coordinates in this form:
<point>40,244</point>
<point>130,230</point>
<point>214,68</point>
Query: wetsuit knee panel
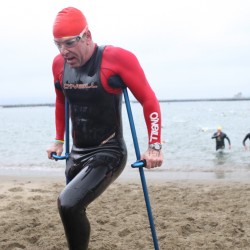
<point>72,197</point>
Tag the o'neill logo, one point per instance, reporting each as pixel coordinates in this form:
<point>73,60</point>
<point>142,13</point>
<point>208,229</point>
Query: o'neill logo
<point>80,85</point>
<point>154,118</point>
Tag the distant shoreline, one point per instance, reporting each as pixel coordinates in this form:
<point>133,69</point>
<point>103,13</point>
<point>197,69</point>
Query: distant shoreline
<point>207,100</point>
<point>134,101</point>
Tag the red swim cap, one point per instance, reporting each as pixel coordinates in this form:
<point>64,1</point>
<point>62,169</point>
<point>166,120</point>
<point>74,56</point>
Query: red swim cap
<point>69,22</point>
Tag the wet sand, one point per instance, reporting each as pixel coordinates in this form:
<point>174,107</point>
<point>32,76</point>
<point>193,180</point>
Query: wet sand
<point>188,214</point>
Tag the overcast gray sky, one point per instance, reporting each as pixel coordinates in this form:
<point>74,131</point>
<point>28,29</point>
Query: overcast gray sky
<point>188,48</point>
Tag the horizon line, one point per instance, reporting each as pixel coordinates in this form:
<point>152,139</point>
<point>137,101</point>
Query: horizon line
<point>135,101</point>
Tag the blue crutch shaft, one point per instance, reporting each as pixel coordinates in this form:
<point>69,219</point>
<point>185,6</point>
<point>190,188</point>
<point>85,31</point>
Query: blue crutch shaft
<point>140,164</point>
<point>116,82</point>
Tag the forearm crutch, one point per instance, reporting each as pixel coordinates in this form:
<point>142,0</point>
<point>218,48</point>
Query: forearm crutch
<point>116,81</point>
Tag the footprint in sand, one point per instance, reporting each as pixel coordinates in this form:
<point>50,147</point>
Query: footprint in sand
<point>18,197</point>
<point>15,246</point>
<point>16,189</point>
<point>124,232</point>
<point>35,198</point>
<point>102,221</point>
<point>40,190</point>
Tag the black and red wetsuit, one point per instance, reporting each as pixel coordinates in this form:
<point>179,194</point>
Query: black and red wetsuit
<point>98,155</point>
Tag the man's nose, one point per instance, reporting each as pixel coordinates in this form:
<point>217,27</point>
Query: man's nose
<point>63,50</point>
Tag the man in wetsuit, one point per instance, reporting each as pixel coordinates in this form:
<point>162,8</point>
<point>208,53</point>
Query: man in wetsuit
<point>244,141</point>
<point>220,137</point>
<point>82,72</point>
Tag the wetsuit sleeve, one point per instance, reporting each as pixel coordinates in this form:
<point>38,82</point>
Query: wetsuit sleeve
<point>126,65</point>
<point>214,136</point>
<point>244,140</point>
<point>57,69</point>
<point>229,142</point>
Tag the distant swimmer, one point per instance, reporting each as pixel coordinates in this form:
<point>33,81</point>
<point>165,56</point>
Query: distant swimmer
<point>220,137</point>
<point>244,141</point>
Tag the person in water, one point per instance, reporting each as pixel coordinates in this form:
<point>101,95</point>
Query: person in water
<point>220,137</point>
<point>244,141</point>
<point>84,73</point>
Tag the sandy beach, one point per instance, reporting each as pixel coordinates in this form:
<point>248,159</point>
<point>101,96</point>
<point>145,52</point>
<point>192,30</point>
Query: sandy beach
<point>191,214</point>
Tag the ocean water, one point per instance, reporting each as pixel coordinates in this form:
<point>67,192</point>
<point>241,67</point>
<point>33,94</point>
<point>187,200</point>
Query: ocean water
<point>187,127</point>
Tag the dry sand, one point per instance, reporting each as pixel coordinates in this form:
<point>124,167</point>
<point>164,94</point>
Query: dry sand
<point>187,214</point>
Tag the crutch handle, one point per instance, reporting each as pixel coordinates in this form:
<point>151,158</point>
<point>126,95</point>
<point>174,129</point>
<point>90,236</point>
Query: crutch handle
<point>61,157</point>
<point>139,164</point>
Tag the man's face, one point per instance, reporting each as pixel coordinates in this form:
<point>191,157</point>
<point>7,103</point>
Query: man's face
<point>72,49</point>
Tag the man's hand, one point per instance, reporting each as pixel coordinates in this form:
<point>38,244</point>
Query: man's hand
<point>55,148</point>
<point>154,158</point>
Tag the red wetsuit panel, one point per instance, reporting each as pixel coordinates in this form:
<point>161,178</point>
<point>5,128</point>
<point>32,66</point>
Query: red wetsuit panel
<point>57,69</point>
<point>117,61</point>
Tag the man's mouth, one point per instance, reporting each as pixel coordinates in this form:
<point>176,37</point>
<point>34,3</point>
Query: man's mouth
<point>70,60</point>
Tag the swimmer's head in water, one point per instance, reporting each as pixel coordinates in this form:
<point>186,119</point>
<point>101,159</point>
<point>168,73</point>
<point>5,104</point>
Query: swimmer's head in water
<point>219,128</point>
